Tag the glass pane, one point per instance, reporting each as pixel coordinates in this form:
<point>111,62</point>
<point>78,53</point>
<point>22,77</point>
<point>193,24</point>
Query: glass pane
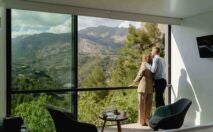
<point>110,51</point>
<point>31,107</point>
<point>41,50</point>
<point>100,40</point>
<point>92,103</point>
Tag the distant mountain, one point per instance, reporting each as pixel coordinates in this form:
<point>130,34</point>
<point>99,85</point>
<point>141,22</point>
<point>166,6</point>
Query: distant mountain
<point>51,52</point>
<point>100,39</point>
<point>113,37</point>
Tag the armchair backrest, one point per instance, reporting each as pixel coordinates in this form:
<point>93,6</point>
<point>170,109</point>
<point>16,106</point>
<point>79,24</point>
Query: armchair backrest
<point>64,122</point>
<point>61,120</point>
<point>181,106</point>
<point>178,113</point>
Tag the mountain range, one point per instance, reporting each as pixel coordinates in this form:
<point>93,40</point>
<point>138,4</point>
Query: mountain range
<point>51,52</point>
<point>91,40</point>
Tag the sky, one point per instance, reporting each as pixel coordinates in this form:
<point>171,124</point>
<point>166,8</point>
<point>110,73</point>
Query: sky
<point>31,22</point>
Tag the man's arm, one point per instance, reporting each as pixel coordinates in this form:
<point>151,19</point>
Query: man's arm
<point>140,73</point>
<point>154,66</point>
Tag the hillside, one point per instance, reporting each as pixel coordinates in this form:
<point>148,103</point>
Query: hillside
<point>113,37</point>
<point>51,53</point>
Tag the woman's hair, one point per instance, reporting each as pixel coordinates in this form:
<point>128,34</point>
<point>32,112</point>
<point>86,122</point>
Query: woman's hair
<point>147,58</point>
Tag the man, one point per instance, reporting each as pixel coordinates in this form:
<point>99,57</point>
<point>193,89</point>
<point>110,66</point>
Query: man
<point>157,68</point>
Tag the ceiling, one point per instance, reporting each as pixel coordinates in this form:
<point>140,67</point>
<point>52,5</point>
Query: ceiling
<point>168,8</point>
<point>171,9</point>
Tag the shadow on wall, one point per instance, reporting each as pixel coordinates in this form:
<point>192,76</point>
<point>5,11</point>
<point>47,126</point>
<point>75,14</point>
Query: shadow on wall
<point>190,68</point>
<point>185,90</point>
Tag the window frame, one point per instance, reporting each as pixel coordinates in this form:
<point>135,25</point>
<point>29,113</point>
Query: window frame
<point>73,90</point>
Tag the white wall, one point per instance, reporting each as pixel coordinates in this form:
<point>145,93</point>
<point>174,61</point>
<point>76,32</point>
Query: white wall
<point>192,76</point>
<point>203,128</point>
<point>2,59</point>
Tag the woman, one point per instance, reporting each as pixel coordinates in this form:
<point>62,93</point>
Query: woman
<point>145,91</point>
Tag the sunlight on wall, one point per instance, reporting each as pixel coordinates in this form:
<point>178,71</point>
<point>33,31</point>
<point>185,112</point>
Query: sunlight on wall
<point>182,85</point>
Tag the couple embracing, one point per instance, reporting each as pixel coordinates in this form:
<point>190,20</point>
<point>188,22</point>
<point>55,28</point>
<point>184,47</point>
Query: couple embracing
<point>151,78</point>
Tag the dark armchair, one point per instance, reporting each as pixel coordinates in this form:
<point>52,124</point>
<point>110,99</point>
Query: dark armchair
<point>170,116</point>
<point>64,122</point>
<point>11,124</point>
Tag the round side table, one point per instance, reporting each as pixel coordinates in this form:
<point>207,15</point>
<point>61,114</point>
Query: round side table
<point>119,118</point>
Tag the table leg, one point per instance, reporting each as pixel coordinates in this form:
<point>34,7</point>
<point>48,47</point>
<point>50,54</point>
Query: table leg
<point>119,126</point>
<point>103,126</point>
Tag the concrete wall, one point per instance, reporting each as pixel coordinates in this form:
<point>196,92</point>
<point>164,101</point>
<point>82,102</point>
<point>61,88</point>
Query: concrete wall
<point>192,76</point>
<point>2,59</point>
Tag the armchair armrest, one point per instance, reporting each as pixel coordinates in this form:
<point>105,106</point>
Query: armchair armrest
<point>12,123</point>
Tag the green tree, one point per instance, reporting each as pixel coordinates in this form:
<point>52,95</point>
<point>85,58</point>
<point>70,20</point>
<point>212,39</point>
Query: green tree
<point>91,103</point>
<point>31,81</point>
<point>95,78</point>
<point>138,42</point>
<point>35,115</point>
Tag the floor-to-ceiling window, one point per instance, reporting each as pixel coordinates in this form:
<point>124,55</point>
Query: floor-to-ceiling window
<point>109,56</point>
<point>47,68</point>
<point>42,66</point>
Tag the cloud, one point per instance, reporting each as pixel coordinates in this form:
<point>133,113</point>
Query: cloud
<point>63,28</point>
<point>84,22</point>
<point>26,32</point>
<point>125,24</point>
<point>33,22</point>
<point>34,18</point>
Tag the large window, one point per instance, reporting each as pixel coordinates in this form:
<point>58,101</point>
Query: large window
<point>109,55</point>
<point>42,52</point>
<point>50,65</point>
